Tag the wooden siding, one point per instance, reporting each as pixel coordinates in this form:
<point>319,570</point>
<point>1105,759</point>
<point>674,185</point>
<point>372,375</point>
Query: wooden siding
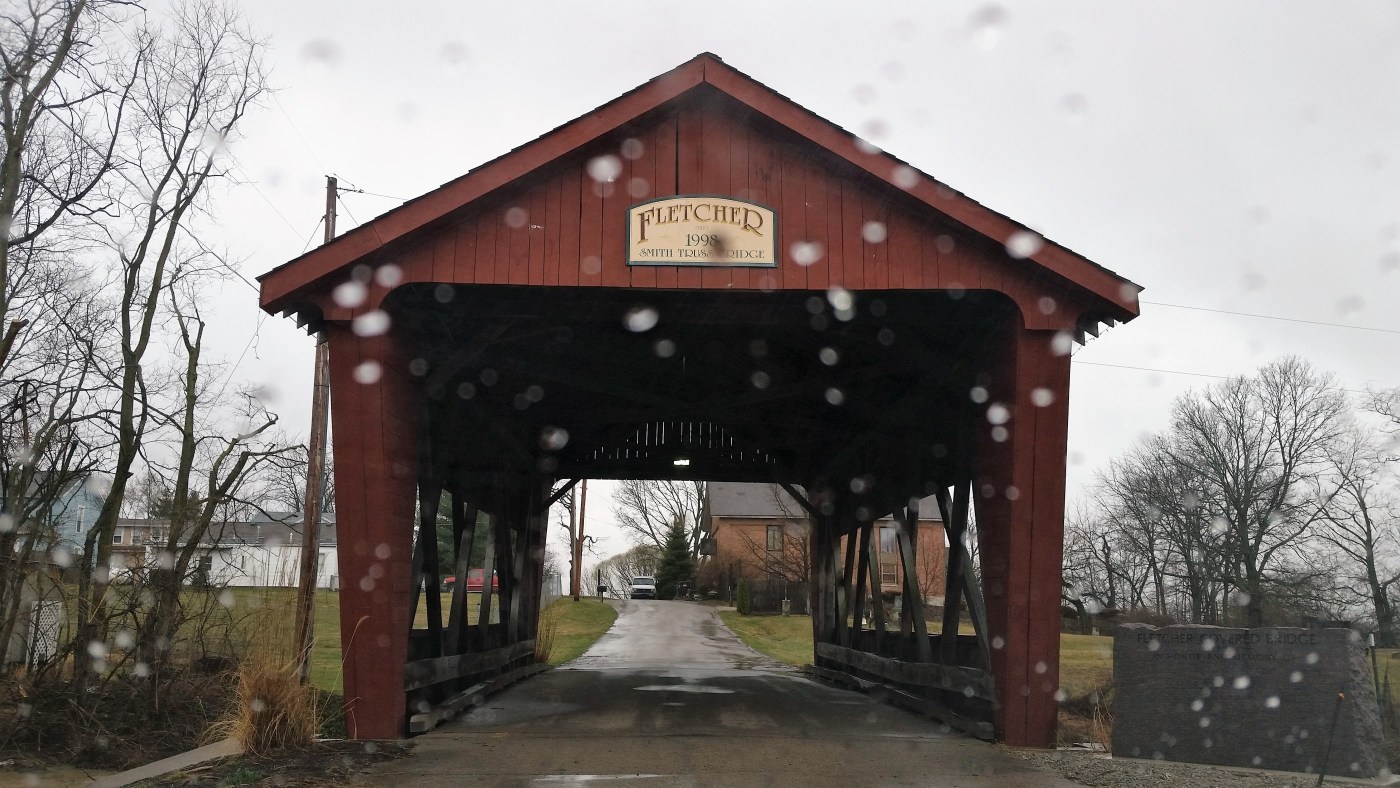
<point>559,226</point>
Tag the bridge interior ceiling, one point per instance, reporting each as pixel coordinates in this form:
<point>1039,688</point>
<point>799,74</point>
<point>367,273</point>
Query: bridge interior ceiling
<point>803,387</point>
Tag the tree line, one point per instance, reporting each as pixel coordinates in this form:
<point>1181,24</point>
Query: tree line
<point>115,124</point>
<point>1269,499</point>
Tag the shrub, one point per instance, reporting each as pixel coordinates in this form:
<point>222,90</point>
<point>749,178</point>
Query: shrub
<point>743,601</point>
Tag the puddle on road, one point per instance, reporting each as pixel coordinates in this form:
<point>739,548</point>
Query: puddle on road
<point>696,688</point>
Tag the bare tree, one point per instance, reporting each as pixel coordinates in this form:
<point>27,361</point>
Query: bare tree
<point>617,571</point>
<point>1361,516</point>
<point>193,81</point>
<point>647,508</point>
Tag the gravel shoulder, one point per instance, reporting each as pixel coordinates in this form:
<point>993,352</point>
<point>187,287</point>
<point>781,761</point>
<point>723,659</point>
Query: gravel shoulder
<point>1101,771</point>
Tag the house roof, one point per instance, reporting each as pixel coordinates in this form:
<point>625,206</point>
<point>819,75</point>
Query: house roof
<point>286,287</point>
<point>743,499</point>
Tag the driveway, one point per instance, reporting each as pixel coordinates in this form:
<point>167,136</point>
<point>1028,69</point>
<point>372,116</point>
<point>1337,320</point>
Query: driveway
<point>669,696</point>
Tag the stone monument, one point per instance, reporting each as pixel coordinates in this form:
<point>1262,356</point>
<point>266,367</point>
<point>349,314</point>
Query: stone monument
<point>1272,698</point>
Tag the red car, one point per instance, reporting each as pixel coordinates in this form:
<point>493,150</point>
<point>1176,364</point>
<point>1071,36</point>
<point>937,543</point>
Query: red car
<point>475,578</point>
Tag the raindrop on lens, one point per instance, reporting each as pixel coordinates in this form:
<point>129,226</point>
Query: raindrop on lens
<point>388,275</point>
<point>605,169</point>
<point>640,319</point>
<point>805,253</point>
<point>349,294</point>
<point>1023,244</point>
<point>368,372</point>
<point>371,324</point>
<point>554,438</point>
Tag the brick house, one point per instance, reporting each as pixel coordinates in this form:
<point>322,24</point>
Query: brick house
<point>757,532</point>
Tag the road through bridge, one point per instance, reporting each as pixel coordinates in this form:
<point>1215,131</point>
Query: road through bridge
<point>669,696</point>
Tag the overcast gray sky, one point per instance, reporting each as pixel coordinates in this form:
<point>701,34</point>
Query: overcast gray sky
<point>1241,157</point>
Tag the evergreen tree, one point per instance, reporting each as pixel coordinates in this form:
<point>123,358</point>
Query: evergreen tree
<point>677,566</point>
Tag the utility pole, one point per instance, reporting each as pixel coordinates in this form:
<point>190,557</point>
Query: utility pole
<point>573,540</point>
<point>315,469</point>
<point>577,580</point>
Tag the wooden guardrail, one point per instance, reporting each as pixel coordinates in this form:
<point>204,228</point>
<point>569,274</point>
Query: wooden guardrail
<point>427,672</point>
<point>954,678</point>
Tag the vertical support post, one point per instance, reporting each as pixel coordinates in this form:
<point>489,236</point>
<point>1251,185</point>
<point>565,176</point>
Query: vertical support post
<point>877,597</point>
<point>1020,499</point>
<point>464,538</point>
<point>862,572</point>
<point>913,597</point>
<point>376,436</point>
<point>429,498</point>
<point>843,601</point>
<point>488,590</point>
<point>505,567</point>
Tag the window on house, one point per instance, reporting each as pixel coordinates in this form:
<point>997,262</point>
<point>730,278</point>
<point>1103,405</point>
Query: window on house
<point>117,537</point>
<point>775,537</point>
<point>889,540</point>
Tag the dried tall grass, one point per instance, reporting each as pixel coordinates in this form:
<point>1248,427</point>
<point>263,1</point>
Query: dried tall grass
<point>544,636</point>
<point>273,710</point>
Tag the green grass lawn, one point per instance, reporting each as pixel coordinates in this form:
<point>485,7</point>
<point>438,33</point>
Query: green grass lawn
<point>784,638</point>
<point>574,626</point>
<point>1086,661</point>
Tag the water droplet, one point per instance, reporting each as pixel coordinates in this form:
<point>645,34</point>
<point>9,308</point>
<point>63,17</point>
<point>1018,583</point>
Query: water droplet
<point>1241,682</point>
<point>371,324</point>
<point>842,301</point>
<point>322,51</point>
<point>349,294</point>
<point>227,599</point>
<point>805,253</point>
<point>1062,343</point>
<point>605,169</point>
<point>998,642</point>
<point>998,413</point>
<point>1047,305</point>
<point>834,396</point>
<point>664,348</point>
<point>1205,722</point>
<point>516,217</point>
<point>1197,705</point>
<point>905,177</point>
<point>368,372</point>
<point>1295,677</point>
<point>1312,658</point>
<point>1075,107</point>
<point>1041,397</point>
<point>97,649</point>
<point>986,26</point>
<point>828,356</point>
<point>978,394</point>
<point>1000,434</point>
<point>1041,667</point>
<point>1061,696</point>
<point>453,53</point>
<point>554,438</point>
<point>1013,492</point>
<point>640,319</point>
<point>874,232</point>
<point>1024,243</point>
<point>1154,644</point>
<point>388,276</point>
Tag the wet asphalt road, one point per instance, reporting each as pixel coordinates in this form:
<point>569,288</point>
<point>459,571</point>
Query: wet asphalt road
<point>669,696</point>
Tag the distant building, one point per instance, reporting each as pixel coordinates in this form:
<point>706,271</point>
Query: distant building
<point>758,532</point>
<point>264,550</point>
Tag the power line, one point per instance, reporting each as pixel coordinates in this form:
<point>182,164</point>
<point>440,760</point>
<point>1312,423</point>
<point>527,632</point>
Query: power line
<point>1275,317</point>
<point>1177,372</point>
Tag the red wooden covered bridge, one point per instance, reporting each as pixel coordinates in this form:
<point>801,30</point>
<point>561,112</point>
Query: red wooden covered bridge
<point>701,279</point>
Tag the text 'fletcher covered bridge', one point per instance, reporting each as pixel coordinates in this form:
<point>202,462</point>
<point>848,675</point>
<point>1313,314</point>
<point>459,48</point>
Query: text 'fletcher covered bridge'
<point>702,270</point>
